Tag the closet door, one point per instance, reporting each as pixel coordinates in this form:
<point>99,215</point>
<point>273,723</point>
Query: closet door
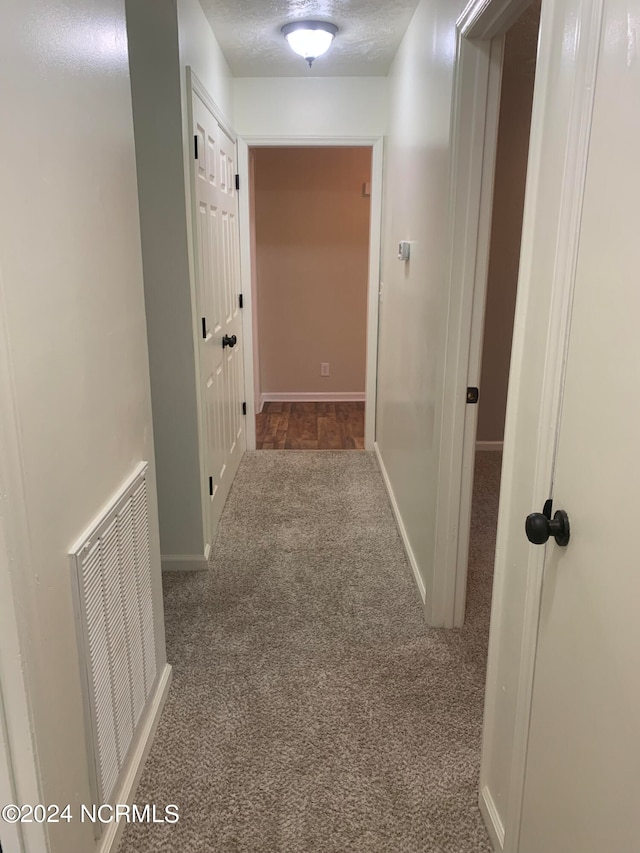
<point>217,294</point>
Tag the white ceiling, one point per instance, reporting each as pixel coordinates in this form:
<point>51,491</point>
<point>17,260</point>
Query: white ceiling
<point>249,34</point>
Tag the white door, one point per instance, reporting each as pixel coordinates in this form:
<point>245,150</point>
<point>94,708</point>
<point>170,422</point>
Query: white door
<point>582,783</point>
<point>218,290</point>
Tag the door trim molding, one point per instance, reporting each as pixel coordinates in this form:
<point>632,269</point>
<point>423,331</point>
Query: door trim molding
<point>376,143</point>
<point>249,310</point>
<point>485,19</point>
<point>474,135</point>
<point>491,817</point>
<point>194,84</point>
<point>20,778</point>
<point>571,30</point>
<point>210,510</point>
<point>570,34</point>
<point>195,87</point>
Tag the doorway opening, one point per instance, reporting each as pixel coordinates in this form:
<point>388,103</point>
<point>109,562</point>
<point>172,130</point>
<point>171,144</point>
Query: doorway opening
<point>466,529</point>
<point>310,224</point>
<point>514,126</point>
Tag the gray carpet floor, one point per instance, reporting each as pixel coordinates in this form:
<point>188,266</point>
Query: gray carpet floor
<point>311,710</point>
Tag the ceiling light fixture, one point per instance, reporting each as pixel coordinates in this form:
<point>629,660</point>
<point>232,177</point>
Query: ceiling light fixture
<point>309,39</point>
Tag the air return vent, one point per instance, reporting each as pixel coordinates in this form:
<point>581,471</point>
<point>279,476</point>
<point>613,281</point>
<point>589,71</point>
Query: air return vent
<point>111,564</point>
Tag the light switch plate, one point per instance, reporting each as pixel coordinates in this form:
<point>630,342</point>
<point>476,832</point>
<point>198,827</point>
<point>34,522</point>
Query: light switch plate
<point>404,250</point>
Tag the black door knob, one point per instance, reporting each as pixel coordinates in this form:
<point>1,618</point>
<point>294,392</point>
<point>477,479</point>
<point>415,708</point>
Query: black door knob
<point>539,528</point>
<point>229,341</point>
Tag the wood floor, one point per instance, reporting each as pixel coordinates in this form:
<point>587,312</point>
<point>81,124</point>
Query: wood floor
<point>310,426</point>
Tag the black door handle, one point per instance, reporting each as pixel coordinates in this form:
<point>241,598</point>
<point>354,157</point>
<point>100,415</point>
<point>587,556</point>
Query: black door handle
<point>229,341</point>
<point>539,528</point>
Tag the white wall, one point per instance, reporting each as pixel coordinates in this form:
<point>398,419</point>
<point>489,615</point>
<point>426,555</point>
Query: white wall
<point>71,277</point>
<point>310,106</point>
<point>413,310</point>
<point>166,36</point>
<point>199,49</point>
<point>155,84</point>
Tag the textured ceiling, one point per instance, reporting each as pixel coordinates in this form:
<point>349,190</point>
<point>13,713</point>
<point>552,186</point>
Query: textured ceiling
<point>249,34</point>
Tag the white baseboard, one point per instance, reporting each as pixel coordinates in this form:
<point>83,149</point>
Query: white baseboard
<point>491,818</point>
<point>126,792</point>
<point>489,445</point>
<point>184,562</point>
<point>401,528</point>
<point>312,397</point>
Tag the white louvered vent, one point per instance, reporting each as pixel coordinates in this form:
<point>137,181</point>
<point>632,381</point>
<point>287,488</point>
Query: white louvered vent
<point>112,566</point>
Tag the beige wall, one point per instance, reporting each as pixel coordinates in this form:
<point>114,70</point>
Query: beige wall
<point>511,170</point>
<point>312,239</point>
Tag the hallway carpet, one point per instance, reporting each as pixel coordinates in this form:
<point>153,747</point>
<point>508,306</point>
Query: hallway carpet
<point>312,711</point>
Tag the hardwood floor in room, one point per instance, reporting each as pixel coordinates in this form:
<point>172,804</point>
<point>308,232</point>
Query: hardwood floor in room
<point>310,426</point>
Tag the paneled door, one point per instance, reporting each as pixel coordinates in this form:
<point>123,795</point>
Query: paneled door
<point>218,310</point>
<point>582,784</point>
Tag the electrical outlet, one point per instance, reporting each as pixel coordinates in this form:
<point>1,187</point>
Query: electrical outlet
<point>324,368</point>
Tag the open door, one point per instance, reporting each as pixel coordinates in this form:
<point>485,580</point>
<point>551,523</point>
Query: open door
<point>557,752</point>
<point>582,786</point>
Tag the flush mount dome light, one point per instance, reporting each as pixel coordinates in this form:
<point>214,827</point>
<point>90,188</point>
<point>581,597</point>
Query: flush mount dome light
<point>309,39</point>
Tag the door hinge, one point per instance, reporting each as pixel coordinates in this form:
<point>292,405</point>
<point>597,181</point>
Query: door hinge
<point>211,486</point>
<point>240,300</point>
<point>204,327</point>
<point>244,408</point>
<point>237,182</point>
<point>195,147</point>
<point>472,395</point>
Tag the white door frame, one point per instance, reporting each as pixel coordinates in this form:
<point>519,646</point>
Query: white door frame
<point>10,834</point>
<point>568,53</point>
<point>16,738</point>
<point>474,135</point>
<point>373,287</point>
<point>566,69</point>
<point>19,773</point>
<point>480,37</point>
